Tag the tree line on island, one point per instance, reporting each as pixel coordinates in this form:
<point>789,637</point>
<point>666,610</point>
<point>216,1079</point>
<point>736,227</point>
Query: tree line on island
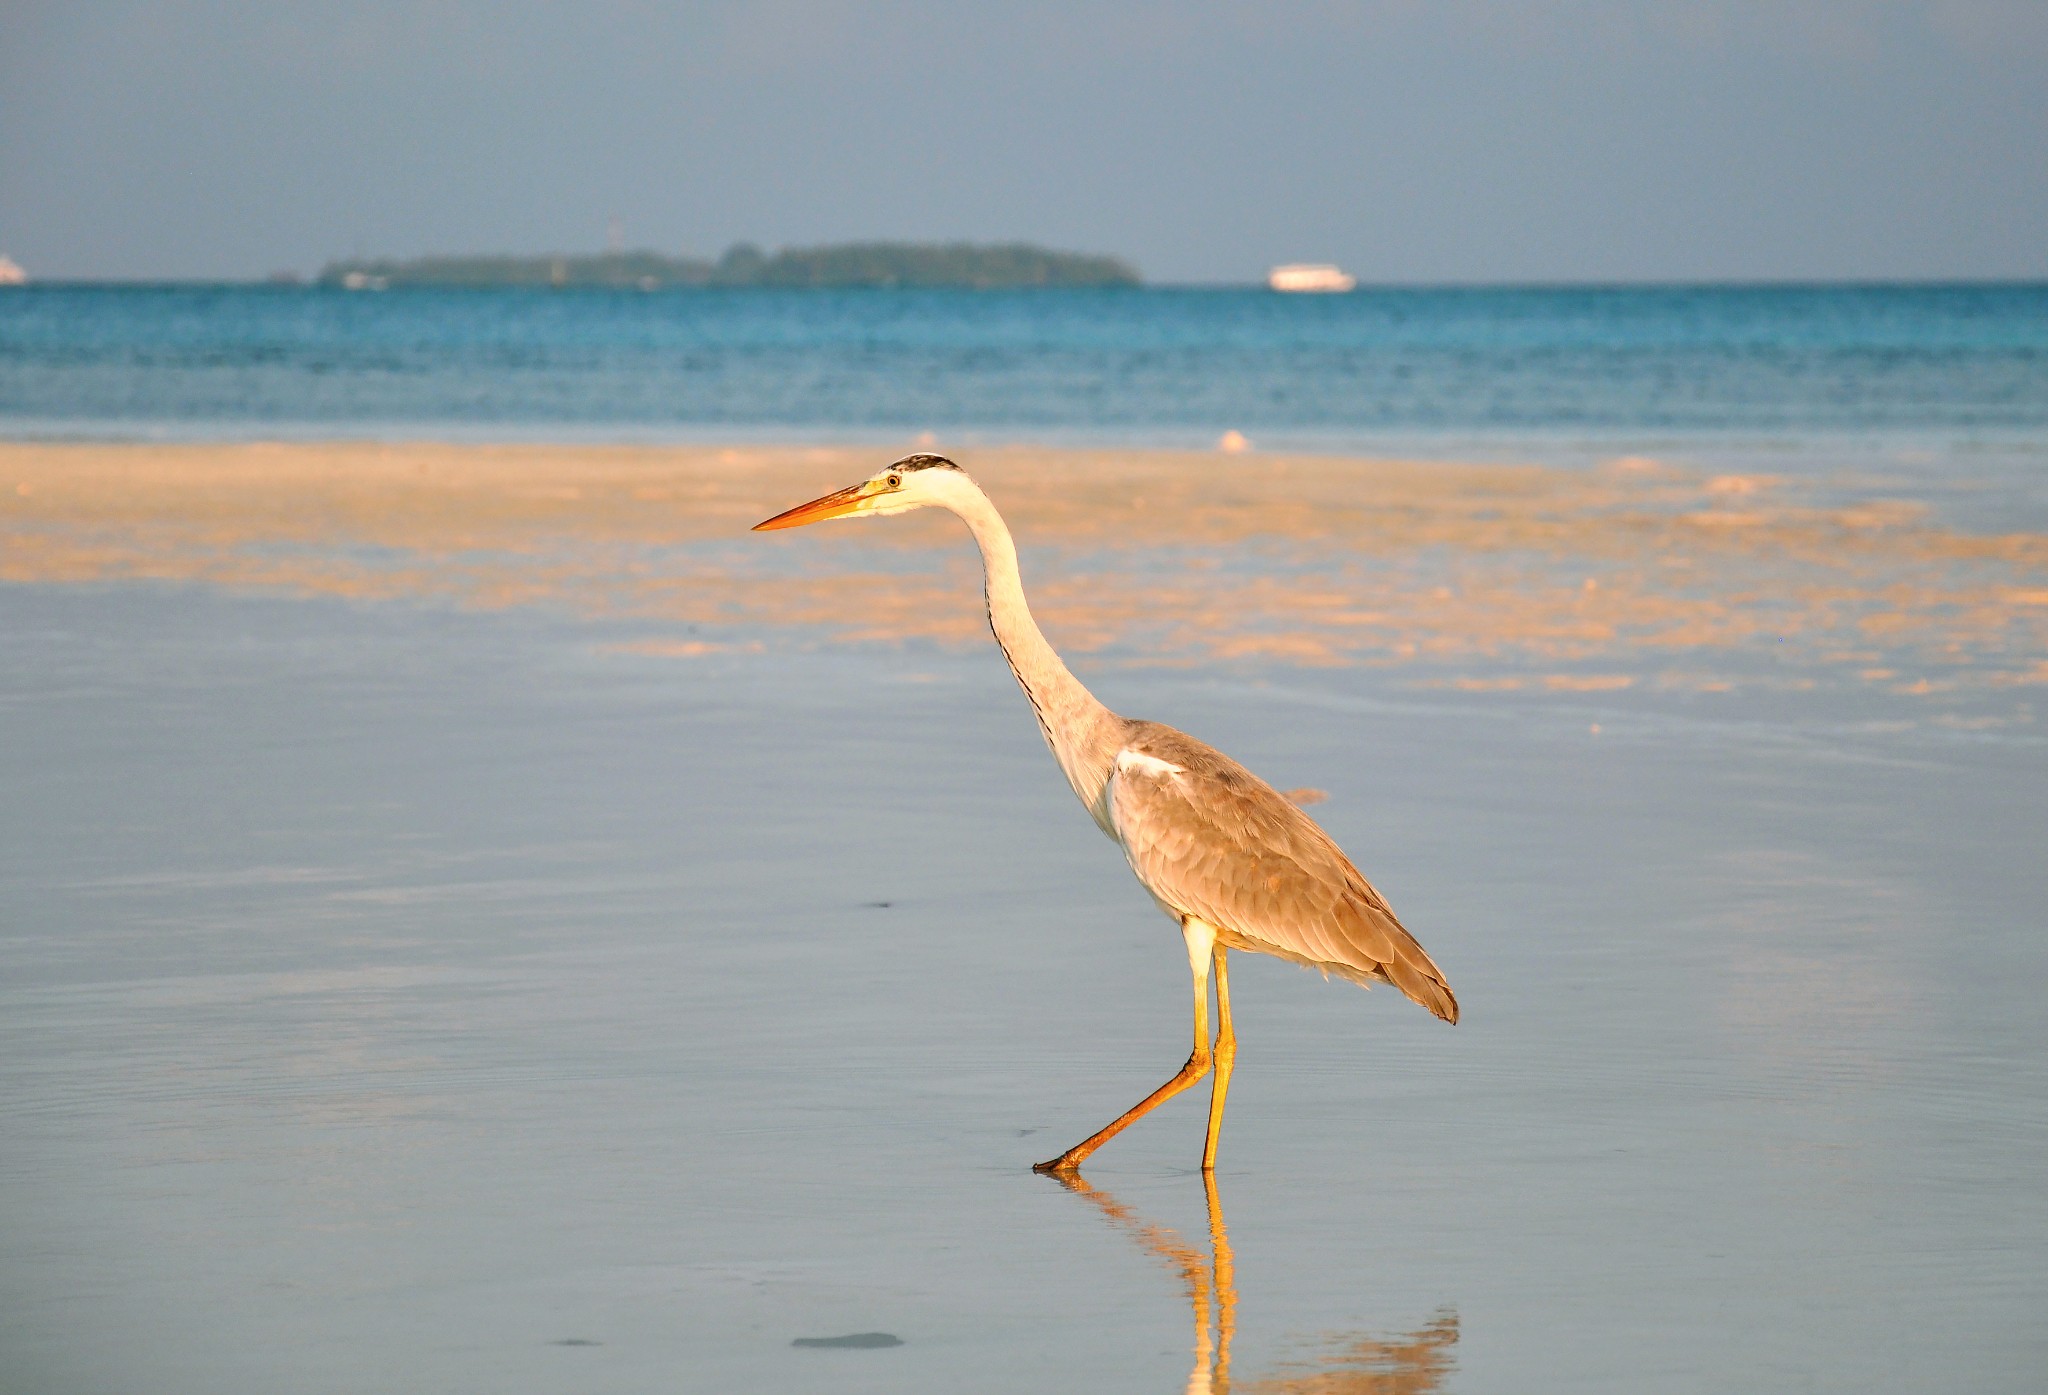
<point>977,266</point>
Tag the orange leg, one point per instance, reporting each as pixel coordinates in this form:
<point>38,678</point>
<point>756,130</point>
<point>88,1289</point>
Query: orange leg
<point>1201,941</point>
<point>1226,1054</point>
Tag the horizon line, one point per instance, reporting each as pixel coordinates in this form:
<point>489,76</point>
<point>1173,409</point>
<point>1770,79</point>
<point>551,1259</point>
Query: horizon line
<point>283,281</point>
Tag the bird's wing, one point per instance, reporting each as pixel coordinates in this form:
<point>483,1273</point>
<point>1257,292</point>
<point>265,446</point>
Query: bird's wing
<point>1212,840</point>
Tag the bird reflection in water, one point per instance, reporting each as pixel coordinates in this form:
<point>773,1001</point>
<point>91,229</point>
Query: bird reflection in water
<point>1412,1363</point>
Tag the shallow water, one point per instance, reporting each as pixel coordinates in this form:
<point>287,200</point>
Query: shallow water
<point>392,997</point>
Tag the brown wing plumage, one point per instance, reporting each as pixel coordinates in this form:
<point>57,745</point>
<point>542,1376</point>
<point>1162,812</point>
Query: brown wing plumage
<point>1210,839</point>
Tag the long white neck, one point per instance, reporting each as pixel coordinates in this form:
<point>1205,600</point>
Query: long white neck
<point>1084,735</point>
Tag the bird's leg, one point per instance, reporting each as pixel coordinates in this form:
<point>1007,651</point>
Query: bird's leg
<point>1226,1053</point>
<point>1201,941</point>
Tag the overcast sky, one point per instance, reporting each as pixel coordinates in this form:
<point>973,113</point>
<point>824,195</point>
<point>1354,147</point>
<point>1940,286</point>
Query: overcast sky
<point>1411,140</point>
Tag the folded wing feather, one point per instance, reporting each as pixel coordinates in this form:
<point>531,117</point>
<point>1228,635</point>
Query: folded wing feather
<point>1210,839</point>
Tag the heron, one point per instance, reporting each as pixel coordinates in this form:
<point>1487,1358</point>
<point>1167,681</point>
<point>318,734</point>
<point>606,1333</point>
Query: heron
<point>1230,860</point>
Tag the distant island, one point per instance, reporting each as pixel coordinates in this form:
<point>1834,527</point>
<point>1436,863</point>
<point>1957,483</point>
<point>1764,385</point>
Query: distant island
<point>976,266</point>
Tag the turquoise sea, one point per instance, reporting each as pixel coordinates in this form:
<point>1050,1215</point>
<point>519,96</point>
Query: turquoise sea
<point>1949,363</point>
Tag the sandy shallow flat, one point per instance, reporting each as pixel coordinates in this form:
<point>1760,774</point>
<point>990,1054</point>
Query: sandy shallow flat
<point>463,936</point>
<point>1637,574</point>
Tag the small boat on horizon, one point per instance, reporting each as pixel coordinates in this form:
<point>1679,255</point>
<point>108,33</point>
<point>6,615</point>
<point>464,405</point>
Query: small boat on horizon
<point>1310,277</point>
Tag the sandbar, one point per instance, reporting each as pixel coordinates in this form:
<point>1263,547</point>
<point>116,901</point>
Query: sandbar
<point>1637,573</point>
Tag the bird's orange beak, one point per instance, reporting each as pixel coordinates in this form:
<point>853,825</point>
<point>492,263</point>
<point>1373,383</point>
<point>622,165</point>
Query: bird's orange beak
<point>837,504</point>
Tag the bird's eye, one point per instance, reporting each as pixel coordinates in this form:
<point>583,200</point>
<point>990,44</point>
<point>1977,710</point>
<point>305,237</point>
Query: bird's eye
<point>895,481</point>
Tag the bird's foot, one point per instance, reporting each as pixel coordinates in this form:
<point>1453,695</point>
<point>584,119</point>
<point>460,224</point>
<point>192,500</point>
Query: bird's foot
<point>1065,1165</point>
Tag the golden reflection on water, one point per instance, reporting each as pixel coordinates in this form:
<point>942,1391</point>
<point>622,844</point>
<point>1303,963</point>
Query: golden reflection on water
<point>1633,575</point>
<point>1411,1363</point>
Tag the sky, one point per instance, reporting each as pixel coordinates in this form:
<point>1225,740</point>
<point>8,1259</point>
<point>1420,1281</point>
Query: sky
<point>1409,140</point>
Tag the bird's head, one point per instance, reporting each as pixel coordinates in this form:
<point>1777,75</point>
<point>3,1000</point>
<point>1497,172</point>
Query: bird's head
<point>914,482</point>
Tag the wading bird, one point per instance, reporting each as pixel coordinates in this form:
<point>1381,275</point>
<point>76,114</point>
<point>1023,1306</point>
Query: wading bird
<point>1223,853</point>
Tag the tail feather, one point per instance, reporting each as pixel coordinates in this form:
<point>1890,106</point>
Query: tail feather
<point>1384,947</point>
<point>1426,986</point>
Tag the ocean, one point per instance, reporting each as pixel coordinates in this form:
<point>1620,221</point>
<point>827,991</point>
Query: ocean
<point>1547,369</point>
<point>477,917</point>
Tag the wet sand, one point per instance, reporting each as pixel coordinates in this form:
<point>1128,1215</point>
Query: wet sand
<point>439,955</point>
<point>1638,574</point>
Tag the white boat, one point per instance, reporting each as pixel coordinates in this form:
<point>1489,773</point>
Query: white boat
<point>1310,276</point>
<point>11,273</point>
